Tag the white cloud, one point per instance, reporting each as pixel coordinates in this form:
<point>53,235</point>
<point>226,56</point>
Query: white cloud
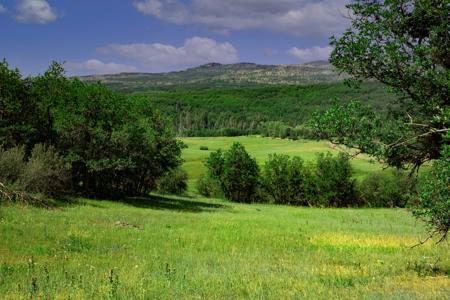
<point>95,66</point>
<point>157,57</point>
<point>35,11</point>
<point>296,17</point>
<point>2,9</point>
<point>310,54</point>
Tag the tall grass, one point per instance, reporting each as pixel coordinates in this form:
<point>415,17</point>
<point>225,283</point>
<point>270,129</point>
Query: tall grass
<point>183,248</point>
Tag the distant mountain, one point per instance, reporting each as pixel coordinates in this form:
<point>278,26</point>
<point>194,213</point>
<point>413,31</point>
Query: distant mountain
<point>215,75</point>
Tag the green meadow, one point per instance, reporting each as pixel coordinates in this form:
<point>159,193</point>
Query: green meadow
<point>193,248</point>
<point>260,148</point>
<point>164,247</point>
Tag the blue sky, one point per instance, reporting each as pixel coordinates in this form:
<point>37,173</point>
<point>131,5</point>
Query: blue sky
<point>112,36</point>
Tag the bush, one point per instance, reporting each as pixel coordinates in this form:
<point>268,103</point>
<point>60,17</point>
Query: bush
<point>204,148</point>
<point>284,179</point>
<point>208,187</point>
<point>174,182</point>
<point>387,189</point>
<point>12,164</point>
<point>332,183</point>
<point>240,174</point>
<point>45,173</point>
<point>215,163</point>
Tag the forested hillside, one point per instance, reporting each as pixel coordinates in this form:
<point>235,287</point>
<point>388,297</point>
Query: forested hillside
<point>236,99</point>
<point>233,111</point>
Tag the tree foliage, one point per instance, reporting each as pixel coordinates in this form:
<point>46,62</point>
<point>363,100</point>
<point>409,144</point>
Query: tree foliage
<point>405,45</point>
<point>115,145</point>
<point>433,205</point>
<point>333,184</point>
<point>45,173</point>
<point>286,179</point>
<point>236,172</point>
<point>267,110</point>
<point>388,188</point>
<point>174,182</point>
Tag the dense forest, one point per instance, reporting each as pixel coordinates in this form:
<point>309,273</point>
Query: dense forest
<point>250,110</point>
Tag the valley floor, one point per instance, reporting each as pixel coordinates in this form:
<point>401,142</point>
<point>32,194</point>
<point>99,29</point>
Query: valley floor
<point>193,248</point>
<point>260,148</point>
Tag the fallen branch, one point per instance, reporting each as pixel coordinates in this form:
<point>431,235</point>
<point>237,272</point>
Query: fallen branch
<point>9,195</point>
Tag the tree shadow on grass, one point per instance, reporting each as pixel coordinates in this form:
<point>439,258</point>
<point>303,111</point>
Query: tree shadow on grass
<point>170,203</point>
<point>182,204</point>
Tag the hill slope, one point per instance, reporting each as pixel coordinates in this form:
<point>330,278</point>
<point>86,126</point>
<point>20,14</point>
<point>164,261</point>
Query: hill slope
<point>216,75</point>
<point>204,112</point>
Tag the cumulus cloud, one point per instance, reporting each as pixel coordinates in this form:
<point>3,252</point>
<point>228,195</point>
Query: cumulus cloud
<point>95,66</point>
<point>297,17</point>
<point>35,11</point>
<point>2,9</point>
<point>195,51</point>
<point>310,54</point>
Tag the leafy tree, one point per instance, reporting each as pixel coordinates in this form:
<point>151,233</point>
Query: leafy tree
<point>240,175</point>
<point>115,145</point>
<point>16,108</point>
<point>45,172</point>
<point>49,92</point>
<point>405,45</point>
<point>333,184</point>
<point>173,182</point>
<point>215,164</point>
<point>433,205</point>
<point>12,164</point>
<point>208,187</point>
<point>235,171</point>
<point>387,189</point>
<point>285,179</point>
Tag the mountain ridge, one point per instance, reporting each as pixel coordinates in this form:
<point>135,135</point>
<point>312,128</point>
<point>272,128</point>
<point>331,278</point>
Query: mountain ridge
<point>213,75</point>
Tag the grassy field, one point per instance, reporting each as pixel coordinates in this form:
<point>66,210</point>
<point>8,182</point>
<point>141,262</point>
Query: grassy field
<point>185,248</point>
<point>260,148</point>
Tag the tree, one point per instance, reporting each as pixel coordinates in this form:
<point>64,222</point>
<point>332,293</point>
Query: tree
<point>115,145</point>
<point>433,205</point>
<point>333,184</point>
<point>240,174</point>
<point>235,171</point>
<point>16,108</point>
<point>215,163</point>
<point>284,179</point>
<point>404,44</point>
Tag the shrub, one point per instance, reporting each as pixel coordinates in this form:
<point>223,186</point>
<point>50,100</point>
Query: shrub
<point>204,148</point>
<point>173,182</point>
<point>240,174</point>
<point>332,183</point>
<point>215,163</point>
<point>387,189</point>
<point>208,187</point>
<point>45,173</point>
<point>284,179</point>
<point>12,164</point>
